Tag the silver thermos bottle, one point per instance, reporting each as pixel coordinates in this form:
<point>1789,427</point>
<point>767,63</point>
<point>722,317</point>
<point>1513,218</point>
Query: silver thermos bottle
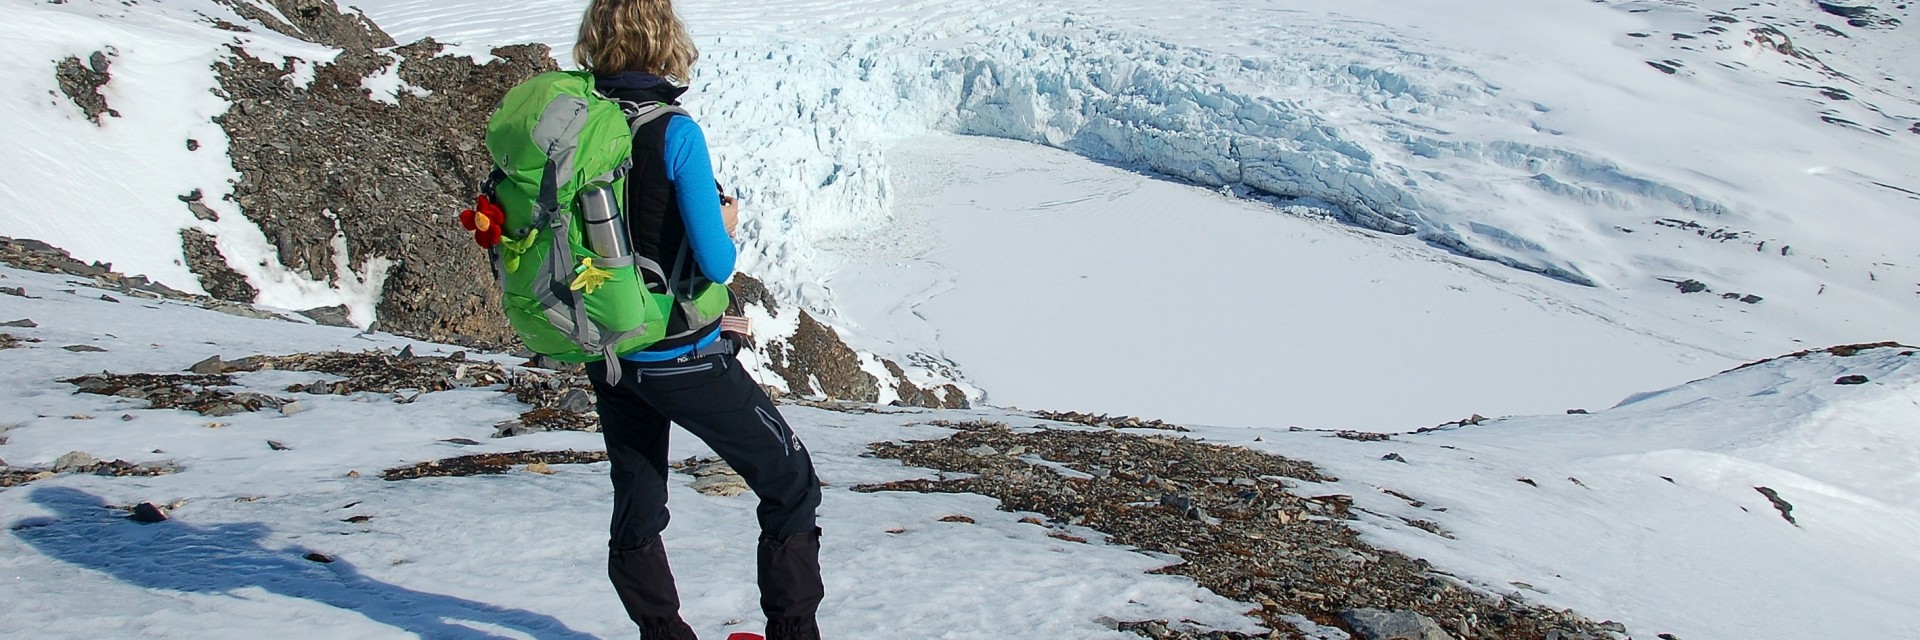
<point>606,233</point>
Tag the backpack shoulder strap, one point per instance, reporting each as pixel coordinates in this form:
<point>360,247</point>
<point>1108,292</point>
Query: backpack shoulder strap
<point>638,115</point>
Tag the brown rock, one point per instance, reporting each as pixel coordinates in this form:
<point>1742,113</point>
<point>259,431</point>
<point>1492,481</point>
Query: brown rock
<point>334,316</point>
<point>202,211</point>
<point>206,262</point>
<point>389,176</point>
<point>815,352</point>
<point>720,485</point>
<point>82,82</point>
<point>74,461</point>
<point>147,513</point>
<point>210,366</point>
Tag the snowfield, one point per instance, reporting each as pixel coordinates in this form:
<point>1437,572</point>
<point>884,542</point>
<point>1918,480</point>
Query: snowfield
<point>1648,514</point>
<point>1654,508</point>
<point>515,556</point>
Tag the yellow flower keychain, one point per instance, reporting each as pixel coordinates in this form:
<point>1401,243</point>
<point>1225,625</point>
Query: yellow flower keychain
<point>590,278</point>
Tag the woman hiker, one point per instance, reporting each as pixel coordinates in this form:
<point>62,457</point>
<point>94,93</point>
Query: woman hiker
<point>639,52</point>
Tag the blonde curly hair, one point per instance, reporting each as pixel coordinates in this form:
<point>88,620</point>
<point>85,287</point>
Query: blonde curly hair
<point>635,35</point>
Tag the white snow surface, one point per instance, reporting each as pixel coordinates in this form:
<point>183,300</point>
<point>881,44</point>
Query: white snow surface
<point>1647,514</point>
<point>1206,240</point>
<point>515,556</point>
<point>1651,511</point>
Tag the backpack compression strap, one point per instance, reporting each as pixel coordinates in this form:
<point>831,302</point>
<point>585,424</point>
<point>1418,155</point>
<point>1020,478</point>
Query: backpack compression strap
<point>565,309</point>
<point>562,306</point>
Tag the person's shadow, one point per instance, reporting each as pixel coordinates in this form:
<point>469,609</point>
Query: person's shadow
<point>226,557</point>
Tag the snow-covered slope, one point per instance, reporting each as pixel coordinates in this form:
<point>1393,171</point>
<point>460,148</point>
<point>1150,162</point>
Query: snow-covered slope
<point>115,191</point>
<point>1056,282</point>
<point>1535,134</point>
<point>1659,514</point>
<point>514,556</point>
<point>1657,511</point>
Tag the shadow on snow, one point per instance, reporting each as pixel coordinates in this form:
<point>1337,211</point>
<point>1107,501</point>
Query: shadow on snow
<point>223,558</point>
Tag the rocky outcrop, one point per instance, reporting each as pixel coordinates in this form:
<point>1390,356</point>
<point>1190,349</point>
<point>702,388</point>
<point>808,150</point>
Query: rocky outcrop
<point>317,21</point>
<point>82,83</point>
<point>749,291</point>
<point>210,266</point>
<point>815,360</point>
<point>34,255</point>
<point>330,160</point>
<point>948,396</point>
<point>330,164</point>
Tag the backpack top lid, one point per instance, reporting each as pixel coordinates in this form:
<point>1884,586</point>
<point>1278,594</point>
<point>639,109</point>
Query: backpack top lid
<point>554,121</point>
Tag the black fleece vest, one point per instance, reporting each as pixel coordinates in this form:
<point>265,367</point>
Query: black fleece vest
<point>654,223</point>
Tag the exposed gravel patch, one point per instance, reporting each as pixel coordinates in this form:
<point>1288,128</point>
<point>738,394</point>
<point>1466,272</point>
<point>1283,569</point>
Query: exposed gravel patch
<point>192,392</point>
<point>492,464</point>
<point>1110,422</point>
<point>381,371</point>
<point>560,400</point>
<point>34,255</point>
<point>1248,525</point>
<point>1842,351</point>
<point>13,477</point>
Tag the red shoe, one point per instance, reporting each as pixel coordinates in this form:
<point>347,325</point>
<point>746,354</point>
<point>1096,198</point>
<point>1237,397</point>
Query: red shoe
<point>746,636</point>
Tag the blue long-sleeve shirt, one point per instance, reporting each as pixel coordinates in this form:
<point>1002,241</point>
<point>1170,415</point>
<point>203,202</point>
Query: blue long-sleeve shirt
<point>690,169</point>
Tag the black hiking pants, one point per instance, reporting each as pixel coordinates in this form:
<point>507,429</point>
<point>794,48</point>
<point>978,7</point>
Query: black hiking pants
<point>713,398</point>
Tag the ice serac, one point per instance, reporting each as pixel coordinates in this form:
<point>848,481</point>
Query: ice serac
<point>1263,126</point>
<point>1394,130</point>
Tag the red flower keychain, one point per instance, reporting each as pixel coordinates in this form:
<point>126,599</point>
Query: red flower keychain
<point>486,221</point>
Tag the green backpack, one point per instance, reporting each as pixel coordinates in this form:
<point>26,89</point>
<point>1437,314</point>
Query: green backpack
<point>554,138</point>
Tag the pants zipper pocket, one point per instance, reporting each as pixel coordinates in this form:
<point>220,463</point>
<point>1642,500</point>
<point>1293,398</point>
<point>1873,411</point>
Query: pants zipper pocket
<point>676,371</point>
